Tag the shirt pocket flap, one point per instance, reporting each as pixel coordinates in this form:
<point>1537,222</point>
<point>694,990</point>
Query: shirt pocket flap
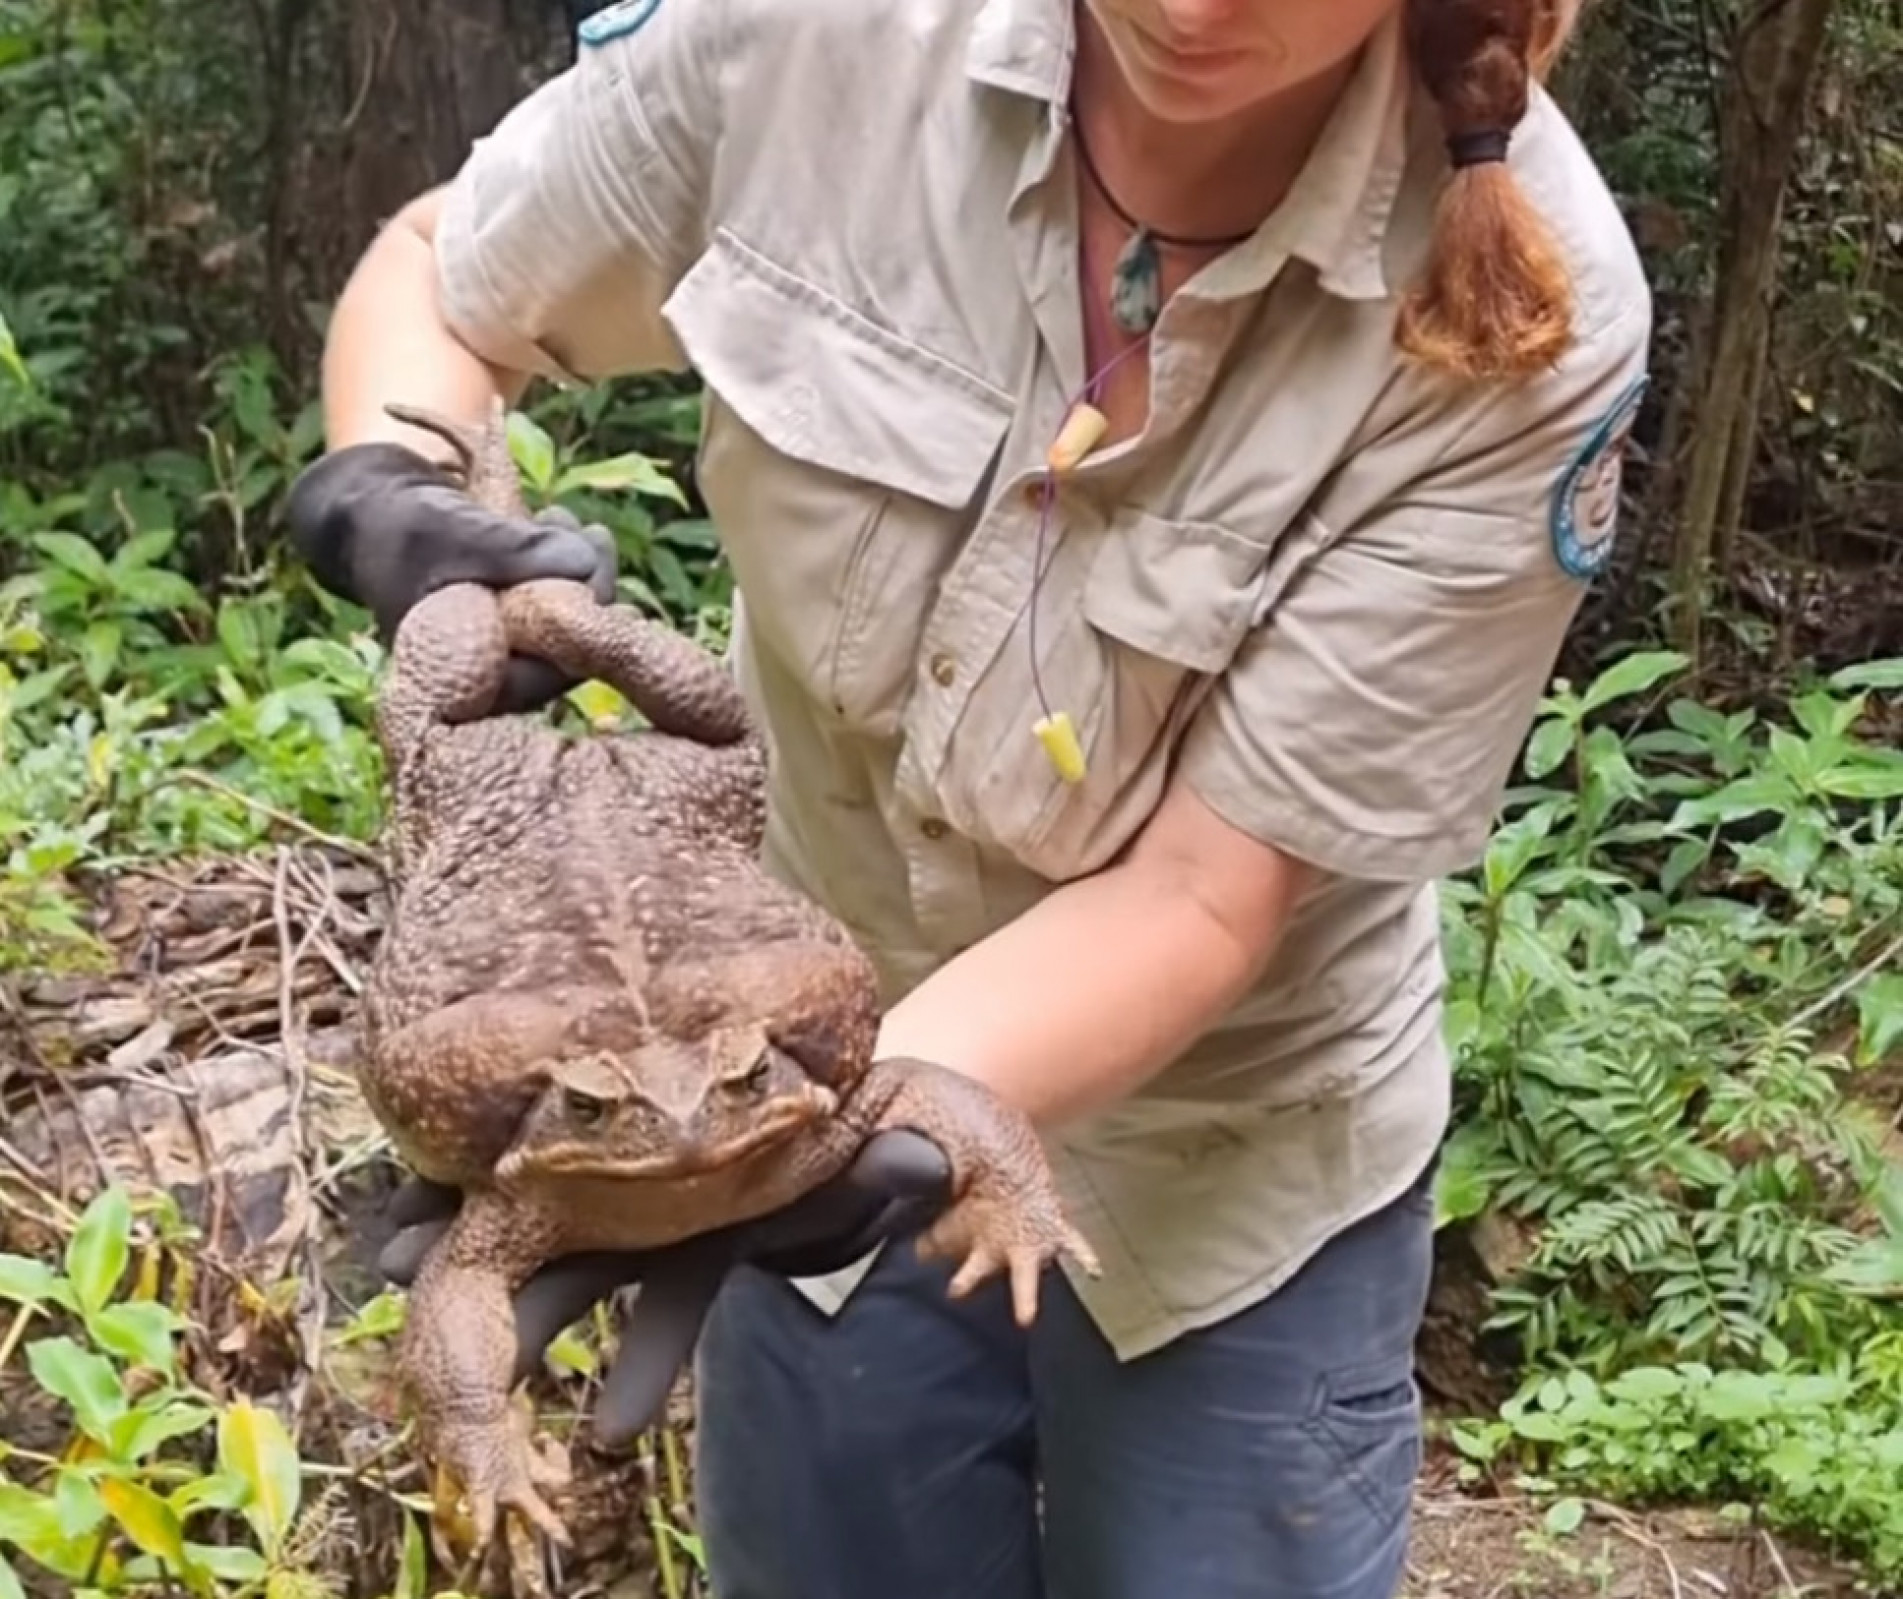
<point>825,385</point>
<point>1185,592</point>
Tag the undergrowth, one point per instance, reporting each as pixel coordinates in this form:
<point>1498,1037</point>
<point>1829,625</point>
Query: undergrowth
<point>1670,980</point>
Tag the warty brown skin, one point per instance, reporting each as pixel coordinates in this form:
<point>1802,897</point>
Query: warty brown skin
<point>597,1015</point>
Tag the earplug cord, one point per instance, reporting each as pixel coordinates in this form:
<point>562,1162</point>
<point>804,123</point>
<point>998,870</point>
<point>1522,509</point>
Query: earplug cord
<point>1055,732</point>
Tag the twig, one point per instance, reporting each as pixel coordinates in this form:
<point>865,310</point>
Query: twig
<point>290,1035</point>
<point>1870,968</point>
<point>1777,1559</point>
<point>35,1184</point>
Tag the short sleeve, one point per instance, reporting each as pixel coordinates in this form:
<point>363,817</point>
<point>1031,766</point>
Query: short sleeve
<point>568,225</point>
<point>1371,719</point>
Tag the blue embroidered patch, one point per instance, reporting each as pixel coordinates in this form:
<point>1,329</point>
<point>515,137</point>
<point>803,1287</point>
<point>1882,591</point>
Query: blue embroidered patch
<point>1586,498</point>
<point>616,21</point>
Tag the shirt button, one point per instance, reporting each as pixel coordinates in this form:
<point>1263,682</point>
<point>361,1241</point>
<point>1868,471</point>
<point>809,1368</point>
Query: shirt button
<point>932,827</point>
<point>944,669</point>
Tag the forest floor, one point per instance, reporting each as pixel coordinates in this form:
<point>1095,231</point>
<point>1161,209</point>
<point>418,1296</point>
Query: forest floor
<point>1466,1547</point>
<point>210,1055</point>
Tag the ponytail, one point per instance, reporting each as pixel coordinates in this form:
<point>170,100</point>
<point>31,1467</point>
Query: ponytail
<point>1494,300</point>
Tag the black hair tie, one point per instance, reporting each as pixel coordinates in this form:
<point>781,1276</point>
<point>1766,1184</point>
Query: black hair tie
<point>1478,147</point>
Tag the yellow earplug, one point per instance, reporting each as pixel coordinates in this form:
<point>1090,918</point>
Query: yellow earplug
<point>1077,437</point>
<point>1058,735</point>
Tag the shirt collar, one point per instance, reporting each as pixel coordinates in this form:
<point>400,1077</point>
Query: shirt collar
<point>1335,215</point>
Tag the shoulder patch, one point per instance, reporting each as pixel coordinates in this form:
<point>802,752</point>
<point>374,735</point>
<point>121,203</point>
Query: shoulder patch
<point>1585,509</point>
<point>616,21</point>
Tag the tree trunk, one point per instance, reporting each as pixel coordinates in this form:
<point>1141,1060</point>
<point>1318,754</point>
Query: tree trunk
<point>434,76</point>
<point>1774,61</point>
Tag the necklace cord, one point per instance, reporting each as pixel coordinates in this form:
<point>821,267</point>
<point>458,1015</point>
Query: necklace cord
<point>1135,303</point>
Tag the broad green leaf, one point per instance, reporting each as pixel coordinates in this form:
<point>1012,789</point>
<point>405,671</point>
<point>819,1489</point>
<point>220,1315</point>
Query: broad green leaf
<point>1879,1017</point>
<point>218,1491</point>
<point>1632,675</point>
<point>412,1578</point>
<point>86,1381</point>
<point>9,1584</point>
<point>138,1331</point>
<point>253,1445</point>
<point>143,549</point>
<point>1549,745</point>
<point>148,1521</point>
<point>72,553</point>
<point>1565,1517</point>
<point>152,589</point>
<point>567,1352</point>
<point>26,1281</point>
<point>1867,782</point>
<point>532,449</point>
<point>241,631</point>
<point>10,356</point>
<point>142,1430</point>
<point>99,649</point>
<point>1645,1383</point>
<point>97,1252</point>
<point>27,1519</point>
<point>30,691</point>
<point>1885,674</point>
<point>78,1505</point>
<point>1747,796</point>
<point>632,471</point>
<point>229,1564</point>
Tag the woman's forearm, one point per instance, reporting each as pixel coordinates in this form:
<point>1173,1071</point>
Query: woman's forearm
<point>388,341</point>
<point>1100,985</point>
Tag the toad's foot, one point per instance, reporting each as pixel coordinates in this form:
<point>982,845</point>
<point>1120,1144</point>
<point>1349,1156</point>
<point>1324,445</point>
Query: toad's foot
<point>457,1358</point>
<point>493,1460</point>
<point>1006,1214</point>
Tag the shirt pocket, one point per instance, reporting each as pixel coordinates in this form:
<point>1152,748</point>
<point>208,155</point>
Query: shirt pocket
<point>842,464</point>
<point>1160,611</point>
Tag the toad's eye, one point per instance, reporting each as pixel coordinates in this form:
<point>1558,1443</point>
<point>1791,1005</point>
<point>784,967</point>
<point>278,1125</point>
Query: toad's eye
<point>584,1110</point>
<point>755,1082</point>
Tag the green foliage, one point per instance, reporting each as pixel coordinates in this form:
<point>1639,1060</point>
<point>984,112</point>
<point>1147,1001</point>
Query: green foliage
<point>1670,979</point>
<point>1814,1452</point>
<point>1666,920</point>
<point>160,1482</point>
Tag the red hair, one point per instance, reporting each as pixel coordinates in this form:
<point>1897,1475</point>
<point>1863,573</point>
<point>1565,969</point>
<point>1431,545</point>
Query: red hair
<point>1494,300</point>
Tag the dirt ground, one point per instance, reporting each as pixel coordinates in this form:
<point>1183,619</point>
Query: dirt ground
<point>1474,1548</point>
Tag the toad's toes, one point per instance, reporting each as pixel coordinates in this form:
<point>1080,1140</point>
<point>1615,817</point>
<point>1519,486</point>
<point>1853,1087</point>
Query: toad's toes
<point>498,1468</point>
<point>1000,1226</point>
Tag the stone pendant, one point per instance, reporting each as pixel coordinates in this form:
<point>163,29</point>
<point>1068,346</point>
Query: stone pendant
<point>1136,288</point>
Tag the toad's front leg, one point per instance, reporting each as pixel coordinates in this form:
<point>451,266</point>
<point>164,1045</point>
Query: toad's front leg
<point>458,1364</point>
<point>1005,1214</point>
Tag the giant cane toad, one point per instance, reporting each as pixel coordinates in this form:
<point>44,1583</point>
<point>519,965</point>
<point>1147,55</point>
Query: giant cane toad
<point>596,1014</point>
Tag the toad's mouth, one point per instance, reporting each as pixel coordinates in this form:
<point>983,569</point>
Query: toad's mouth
<point>767,1126</point>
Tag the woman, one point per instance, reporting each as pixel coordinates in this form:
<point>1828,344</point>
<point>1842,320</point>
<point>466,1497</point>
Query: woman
<point>1160,445</point>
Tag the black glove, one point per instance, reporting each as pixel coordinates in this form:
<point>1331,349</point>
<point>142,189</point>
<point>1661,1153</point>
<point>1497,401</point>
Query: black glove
<point>382,526</point>
<point>896,1186</point>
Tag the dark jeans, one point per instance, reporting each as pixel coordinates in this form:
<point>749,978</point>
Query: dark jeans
<point>897,1452</point>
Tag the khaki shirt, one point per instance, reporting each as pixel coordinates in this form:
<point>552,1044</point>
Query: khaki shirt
<point>1325,586</point>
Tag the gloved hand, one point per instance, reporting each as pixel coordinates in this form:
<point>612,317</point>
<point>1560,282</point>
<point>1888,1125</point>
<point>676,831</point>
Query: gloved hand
<point>381,525</point>
<point>895,1187</point>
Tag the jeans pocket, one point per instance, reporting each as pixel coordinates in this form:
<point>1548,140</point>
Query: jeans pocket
<point>1369,1417</point>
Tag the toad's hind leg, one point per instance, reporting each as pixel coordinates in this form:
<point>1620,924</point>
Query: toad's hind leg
<point>457,1359</point>
<point>446,665</point>
<point>678,686</point>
